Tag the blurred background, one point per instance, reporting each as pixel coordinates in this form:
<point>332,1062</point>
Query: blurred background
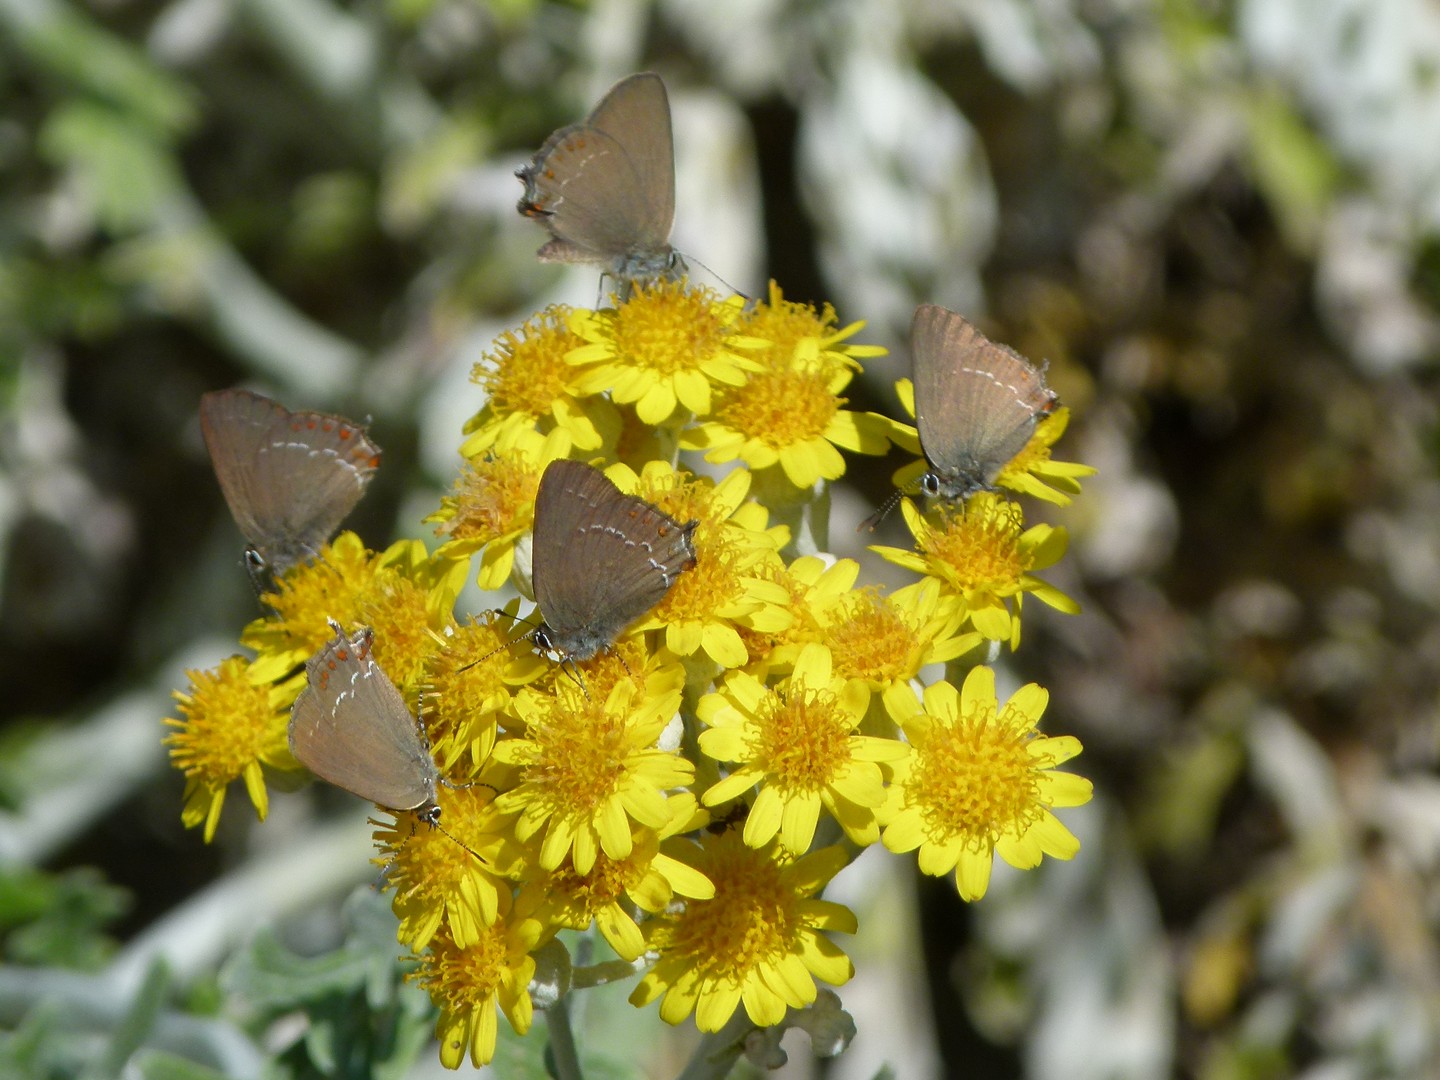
<point>1218,223</point>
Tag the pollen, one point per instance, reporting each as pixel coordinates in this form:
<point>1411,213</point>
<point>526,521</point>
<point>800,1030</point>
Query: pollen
<point>465,693</point>
<point>712,584</point>
<point>785,324</point>
<point>226,725</point>
<point>489,497</point>
<point>396,608</point>
<point>871,640</point>
<point>781,408</point>
<point>527,371</point>
<point>804,739</point>
<point>980,545</point>
<point>604,884</point>
<point>312,594</point>
<point>980,784</point>
<point>668,328</point>
<point>752,920</point>
<point>461,979</point>
<point>581,754</point>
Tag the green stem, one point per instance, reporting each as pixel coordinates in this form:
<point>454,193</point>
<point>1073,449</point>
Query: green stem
<point>720,1050</point>
<point>563,1056</point>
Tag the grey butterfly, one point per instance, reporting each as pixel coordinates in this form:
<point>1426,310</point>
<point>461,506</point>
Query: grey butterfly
<point>290,479</point>
<point>605,188</point>
<point>600,559</point>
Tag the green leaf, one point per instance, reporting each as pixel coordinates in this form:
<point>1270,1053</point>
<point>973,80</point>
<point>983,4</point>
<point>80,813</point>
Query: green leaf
<point>110,69</point>
<point>55,920</point>
<point>126,172</point>
<point>135,1026</point>
<point>155,1065</point>
<point>1292,166</point>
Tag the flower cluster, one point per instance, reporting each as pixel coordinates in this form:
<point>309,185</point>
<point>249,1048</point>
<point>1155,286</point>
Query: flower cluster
<point>690,792</point>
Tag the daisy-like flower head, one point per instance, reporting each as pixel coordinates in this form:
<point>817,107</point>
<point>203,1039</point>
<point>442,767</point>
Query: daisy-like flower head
<point>528,384</point>
<point>1030,472</point>
<point>789,413</point>
<point>445,877</point>
<point>330,586</point>
<point>661,349</point>
<point>886,640</point>
<point>407,605</point>
<point>980,781</point>
<point>980,554</point>
<point>465,694</point>
<point>493,505</point>
<point>760,941</point>
<point>791,335</point>
<point>472,984</point>
<point>1034,472</point>
<point>650,671</point>
<point>402,593</point>
<point>587,768</point>
<point>798,743</point>
<point>709,604</point>
<point>808,583</point>
<point>790,417</point>
<point>648,878</point>
<point>228,728</point>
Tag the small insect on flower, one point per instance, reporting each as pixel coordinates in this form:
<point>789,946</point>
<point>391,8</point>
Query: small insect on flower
<point>601,559</point>
<point>605,188</point>
<point>290,479</point>
<point>350,726</point>
<point>976,405</point>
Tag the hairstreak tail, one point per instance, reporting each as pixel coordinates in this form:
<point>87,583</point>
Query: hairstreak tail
<point>290,478</point>
<point>600,559</point>
<point>605,188</point>
<point>976,405</point>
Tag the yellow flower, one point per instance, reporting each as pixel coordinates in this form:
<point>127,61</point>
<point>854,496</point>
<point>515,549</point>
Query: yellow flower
<point>528,383</point>
<point>661,348</point>
<point>1030,472</point>
<point>979,554</point>
<point>1034,472</point>
<point>708,606</point>
<point>588,767</point>
<point>407,605</point>
<point>493,506</point>
<point>650,672</point>
<point>792,418</point>
<point>796,335</point>
<point>798,743</point>
<point>647,877</point>
<point>228,728</point>
<point>327,587</point>
<point>465,696</point>
<point>442,876</point>
<point>979,782</point>
<point>789,412</point>
<point>471,985</point>
<point>761,940</point>
<point>880,639</point>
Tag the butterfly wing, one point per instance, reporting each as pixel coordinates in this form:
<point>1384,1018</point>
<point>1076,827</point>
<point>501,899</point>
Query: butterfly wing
<point>605,188</point>
<point>290,479</point>
<point>351,726</point>
<point>601,558</point>
<point>976,401</point>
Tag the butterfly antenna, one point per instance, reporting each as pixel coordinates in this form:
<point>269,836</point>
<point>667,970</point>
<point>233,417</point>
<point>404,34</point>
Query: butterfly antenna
<point>499,648</point>
<point>880,514</point>
<point>745,296</point>
<point>431,816</point>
